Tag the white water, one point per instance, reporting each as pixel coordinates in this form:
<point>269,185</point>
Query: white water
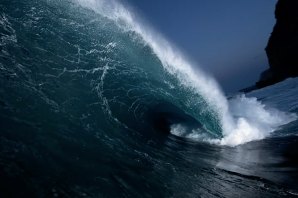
<point>242,119</point>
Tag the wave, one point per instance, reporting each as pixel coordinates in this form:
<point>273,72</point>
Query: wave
<point>105,56</point>
<point>240,119</point>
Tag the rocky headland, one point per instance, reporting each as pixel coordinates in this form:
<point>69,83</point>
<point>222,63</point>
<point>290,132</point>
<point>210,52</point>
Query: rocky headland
<point>282,47</point>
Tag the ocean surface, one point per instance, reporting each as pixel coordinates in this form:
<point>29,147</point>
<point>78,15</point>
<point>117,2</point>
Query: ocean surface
<point>95,103</point>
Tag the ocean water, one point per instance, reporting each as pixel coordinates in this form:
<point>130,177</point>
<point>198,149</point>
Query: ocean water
<point>95,103</point>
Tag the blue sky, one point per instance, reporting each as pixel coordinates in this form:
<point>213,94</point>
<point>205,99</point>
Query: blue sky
<point>225,38</point>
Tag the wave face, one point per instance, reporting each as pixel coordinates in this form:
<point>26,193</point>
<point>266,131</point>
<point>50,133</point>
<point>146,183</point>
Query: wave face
<point>92,61</point>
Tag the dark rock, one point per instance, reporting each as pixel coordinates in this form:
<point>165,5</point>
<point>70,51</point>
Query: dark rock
<point>282,47</point>
<point>248,89</point>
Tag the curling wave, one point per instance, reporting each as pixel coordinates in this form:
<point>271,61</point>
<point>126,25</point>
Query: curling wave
<point>98,66</point>
<point>238,121</point>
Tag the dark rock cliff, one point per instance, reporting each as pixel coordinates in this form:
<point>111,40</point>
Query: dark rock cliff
<point>282,47</point>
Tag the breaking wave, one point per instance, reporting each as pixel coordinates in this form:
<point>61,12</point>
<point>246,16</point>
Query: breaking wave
<point>99,55</point>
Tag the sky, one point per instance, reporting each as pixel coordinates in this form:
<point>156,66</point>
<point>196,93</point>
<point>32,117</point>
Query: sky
<point>224,38</point>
